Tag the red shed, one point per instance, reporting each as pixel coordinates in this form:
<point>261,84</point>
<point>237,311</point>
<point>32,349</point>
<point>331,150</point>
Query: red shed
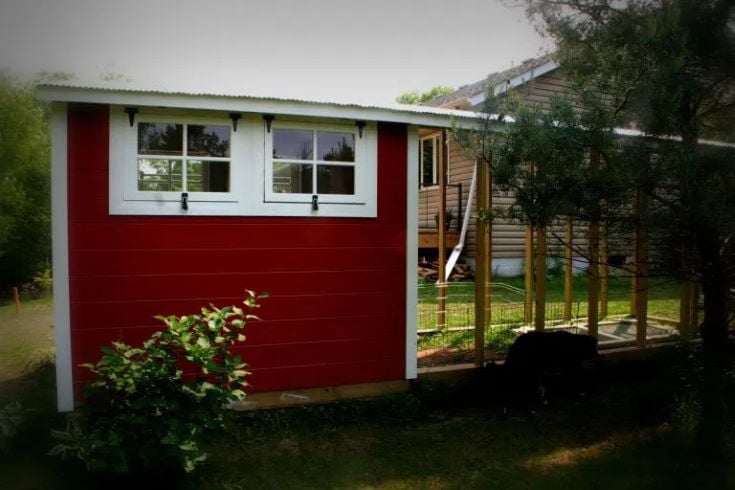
<point>166,202</point>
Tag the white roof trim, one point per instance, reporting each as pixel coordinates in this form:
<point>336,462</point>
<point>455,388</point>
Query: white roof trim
<point>516,81</point>
<point>415,115</point>
<point>635,133</point>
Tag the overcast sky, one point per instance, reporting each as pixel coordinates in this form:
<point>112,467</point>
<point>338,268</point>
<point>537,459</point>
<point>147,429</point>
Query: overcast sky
<point>343,50</point>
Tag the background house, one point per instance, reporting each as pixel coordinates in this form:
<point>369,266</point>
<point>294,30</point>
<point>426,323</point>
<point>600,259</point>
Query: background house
<point>166,202</point>
<point>537,81</point>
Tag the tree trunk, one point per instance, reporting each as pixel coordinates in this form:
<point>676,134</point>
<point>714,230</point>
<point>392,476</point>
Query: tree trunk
<point>715,345</point>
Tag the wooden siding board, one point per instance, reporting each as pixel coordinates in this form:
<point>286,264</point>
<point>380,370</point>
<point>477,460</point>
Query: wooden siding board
<point>229,261</point>
<point>336,314</point>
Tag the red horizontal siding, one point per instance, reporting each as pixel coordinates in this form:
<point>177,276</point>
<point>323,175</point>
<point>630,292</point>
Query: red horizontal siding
<point>336,314</point>
<point>136,233</point>
<point>235,260</point>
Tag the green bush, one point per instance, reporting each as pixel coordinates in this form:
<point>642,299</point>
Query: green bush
<point>152,408</point>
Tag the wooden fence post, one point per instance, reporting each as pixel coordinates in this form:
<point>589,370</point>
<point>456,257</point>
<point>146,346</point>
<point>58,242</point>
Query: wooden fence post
<point>694,308</point>
<point>539,321</point>
<point>568,271</point>
<point>16,301</point>
<point>641,247</point>
<point>593,279</point>
<point>481,266</point>
<point>604,270</point>
<point>488,250</point>
<point>593,271</point>
<point>685,296</point>
<point>528,299</point>
<point>442,235</point>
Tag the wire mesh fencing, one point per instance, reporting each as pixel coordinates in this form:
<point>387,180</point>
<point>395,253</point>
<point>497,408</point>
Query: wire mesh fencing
<point>446,320</point>
<point>446,316</point>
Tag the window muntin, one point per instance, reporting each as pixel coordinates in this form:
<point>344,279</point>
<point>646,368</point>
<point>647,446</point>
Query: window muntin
<point>313,161</point>
<point>183,157</point>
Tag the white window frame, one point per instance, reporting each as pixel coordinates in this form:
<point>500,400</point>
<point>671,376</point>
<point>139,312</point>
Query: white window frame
<point>365,166</point>
<point>125,198</point>
<point>436,139</point>
<point>250,170</point>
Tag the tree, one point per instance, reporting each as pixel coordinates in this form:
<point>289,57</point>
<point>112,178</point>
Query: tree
<point>417,97</point>
<point>668,67</point>
<point>25,211</point>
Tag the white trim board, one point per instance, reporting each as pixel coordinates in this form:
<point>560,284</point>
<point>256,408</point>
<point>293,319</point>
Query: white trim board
<point>412,250</point>
<point>60,253</point>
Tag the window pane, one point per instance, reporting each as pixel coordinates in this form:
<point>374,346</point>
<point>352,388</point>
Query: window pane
<point>292,178</point>
<point>427,162</point>
<point>335,179</point>
<point>208,141</point>
<point>336,147</point>
<point>160,139</point>
<point>159,175</point>
<point>203,176</point>
<point>293,144</point>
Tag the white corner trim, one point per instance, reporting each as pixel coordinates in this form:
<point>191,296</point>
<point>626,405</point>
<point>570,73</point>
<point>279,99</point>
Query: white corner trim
<point>412,250</point>
<point>60,253</point>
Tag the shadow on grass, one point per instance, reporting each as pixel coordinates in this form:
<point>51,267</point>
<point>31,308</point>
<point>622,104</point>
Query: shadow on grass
<point>562,448</point>
<point>618,437</point>
<point>25,464</point>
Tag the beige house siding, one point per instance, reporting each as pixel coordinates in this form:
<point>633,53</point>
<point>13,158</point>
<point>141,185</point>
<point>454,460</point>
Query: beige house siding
<point>508,237</point>
<point>542,89</point>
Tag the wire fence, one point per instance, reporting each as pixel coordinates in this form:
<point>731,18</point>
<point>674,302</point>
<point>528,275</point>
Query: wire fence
<point>446,317</point>
<point>446,320</point>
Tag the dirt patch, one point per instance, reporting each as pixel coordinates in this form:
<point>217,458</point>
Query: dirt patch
<point>444,357</point>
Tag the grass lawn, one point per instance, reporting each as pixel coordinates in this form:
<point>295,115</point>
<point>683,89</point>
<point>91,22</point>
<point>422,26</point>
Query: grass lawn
<point>27,338</point>
<point>626,434</point>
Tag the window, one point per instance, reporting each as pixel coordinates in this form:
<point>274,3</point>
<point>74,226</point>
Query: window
<point>313,162</point>
<point>187,158</point>
<point>330,162</point>
<point>428,156</point>
<point>169,162</point>
<point>166,164</point>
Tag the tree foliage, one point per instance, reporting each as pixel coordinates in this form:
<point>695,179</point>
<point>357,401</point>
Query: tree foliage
<point>416,97</point>
<point>25,213</point>
<point>666,67</point>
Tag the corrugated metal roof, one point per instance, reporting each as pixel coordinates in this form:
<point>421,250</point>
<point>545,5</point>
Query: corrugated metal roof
<point>68,92</point>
